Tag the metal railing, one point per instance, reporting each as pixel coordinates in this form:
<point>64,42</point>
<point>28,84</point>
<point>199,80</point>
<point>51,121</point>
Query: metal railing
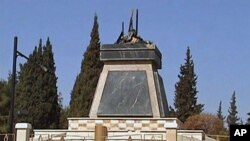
<point>129,137</point>
<point>7,137</point>
<point>187,138</point>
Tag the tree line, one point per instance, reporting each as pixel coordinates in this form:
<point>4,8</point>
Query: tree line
<point>37,100</point>
<point>187,109</point>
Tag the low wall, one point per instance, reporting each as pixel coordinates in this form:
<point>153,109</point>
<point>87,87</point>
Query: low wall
<point>89,135</point>
<point>196,135</point>
<point>159,130</point>
<point>118,128</point>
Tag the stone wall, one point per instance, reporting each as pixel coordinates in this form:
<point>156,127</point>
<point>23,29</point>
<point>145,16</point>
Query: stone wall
<point>124,124</point>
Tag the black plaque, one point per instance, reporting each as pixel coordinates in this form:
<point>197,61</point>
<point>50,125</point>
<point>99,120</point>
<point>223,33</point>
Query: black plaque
<point>125,94</point>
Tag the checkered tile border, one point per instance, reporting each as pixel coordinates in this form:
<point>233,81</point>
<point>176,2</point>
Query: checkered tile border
<point>118,124</point>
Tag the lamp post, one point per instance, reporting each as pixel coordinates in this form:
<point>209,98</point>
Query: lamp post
<point>16,53</point>
<point>13,88</point>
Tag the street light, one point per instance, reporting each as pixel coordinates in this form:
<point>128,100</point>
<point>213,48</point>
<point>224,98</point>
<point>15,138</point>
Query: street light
<point>17,53</point>
<point>13,88</point>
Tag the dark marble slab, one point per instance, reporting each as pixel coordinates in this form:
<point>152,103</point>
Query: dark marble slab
<point>138,51</point>
<point>161,95</point>
<point>125,94</point>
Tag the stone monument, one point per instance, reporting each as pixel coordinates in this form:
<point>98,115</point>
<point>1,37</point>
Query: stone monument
<point>130,85</point>
<point>130,95</point>
<point>130,101</point>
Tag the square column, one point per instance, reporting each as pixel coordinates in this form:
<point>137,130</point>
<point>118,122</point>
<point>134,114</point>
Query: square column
<point>171,129</point>
<point>23,131</point>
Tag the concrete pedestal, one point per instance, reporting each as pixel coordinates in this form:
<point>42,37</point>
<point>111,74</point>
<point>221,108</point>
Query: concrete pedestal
<point>171,134</point>
<point>137,128</point>
<point>23,131</point>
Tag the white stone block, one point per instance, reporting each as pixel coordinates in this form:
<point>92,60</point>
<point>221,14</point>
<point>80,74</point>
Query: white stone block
<point>99,121</point>
<point>23,126</point>
<point>114,121</point>
<point>161,121</point>
<point>74,125</point>
<point>145,121</point>
<point>82,121</point>
<point>171,124</point>
<point>153,125</point>
<point>130,121</point>
<point>91,125</point>
<point>138,125</point>
<point>122,125</point>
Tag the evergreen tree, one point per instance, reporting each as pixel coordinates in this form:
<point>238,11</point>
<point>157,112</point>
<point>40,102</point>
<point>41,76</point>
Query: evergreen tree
<point>63,118</point>
<point>36,95</point>
<point>86,81</point>
<point>64,113</point>
<point>4,106</point>
<point>51,93</point>
<point>241,121</point>
<point>219,112</point>
<point>185,100</point>
<point>248,119</point>
<point>232,118</point>
<point>171,112</point>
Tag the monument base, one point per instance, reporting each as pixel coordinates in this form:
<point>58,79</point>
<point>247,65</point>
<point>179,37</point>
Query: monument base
<point>122,128</point>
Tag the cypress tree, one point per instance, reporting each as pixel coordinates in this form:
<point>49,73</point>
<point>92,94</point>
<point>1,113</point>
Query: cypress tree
<point>172,112</point>
<point>185,100</point>
<point>36,96</point>
<point>219,112</point>
<point>4,105</point>
<point>241,121</point>
<point>232,118</point>
<point>51,93</point>
<point>86,81</point>
<point>248,119</point>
